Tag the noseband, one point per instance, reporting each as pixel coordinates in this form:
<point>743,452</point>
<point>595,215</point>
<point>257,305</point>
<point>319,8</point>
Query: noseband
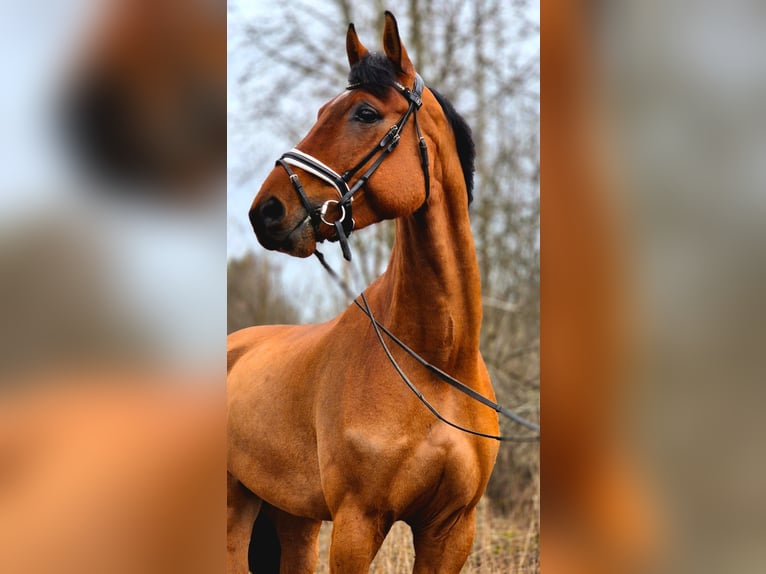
<point>344,224</point>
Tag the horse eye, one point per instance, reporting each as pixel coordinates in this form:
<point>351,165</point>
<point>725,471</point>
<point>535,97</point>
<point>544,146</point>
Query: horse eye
<point>366,115</point>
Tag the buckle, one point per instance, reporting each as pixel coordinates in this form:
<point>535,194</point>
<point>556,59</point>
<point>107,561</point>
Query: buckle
<point>394,143</point>
<point>414,98</point>
<point>392,133</point>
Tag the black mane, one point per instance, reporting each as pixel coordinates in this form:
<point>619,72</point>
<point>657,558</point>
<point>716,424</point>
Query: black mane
<point>376,74</point>
<point>466,150</point>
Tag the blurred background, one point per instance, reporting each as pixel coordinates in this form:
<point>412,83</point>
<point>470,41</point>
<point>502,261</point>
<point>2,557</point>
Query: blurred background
<point>682,88</point>
<point>285,61</point>
<point>112,289</point>
<point>667,100</point>
<point>113,181</point>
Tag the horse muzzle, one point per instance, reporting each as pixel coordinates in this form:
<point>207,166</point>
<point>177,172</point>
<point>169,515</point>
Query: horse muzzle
<point>277,231</point>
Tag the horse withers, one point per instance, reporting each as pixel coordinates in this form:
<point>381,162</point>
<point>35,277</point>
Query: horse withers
<point>320,426</point>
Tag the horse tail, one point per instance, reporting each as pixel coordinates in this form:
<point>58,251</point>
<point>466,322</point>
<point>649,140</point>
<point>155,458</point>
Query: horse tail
<point>264,552</point>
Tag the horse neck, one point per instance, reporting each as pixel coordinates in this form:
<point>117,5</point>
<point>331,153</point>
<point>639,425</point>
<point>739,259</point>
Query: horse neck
<point>431,290</point>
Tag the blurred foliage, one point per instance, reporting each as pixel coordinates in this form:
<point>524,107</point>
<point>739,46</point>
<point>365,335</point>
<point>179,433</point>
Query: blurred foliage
<point>254,296</point>
<point>60,303</point>
<point>483,55</point>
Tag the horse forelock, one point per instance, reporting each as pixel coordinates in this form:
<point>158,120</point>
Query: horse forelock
<point>374,73</point>
<point>377,74</point>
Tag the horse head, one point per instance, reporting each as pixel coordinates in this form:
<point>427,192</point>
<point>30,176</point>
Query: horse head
<point>366,147</point>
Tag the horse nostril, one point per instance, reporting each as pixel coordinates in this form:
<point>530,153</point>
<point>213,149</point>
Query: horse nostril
<point>270,212</point>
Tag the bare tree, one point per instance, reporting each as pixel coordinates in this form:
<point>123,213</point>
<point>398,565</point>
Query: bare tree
<point>254,296</point>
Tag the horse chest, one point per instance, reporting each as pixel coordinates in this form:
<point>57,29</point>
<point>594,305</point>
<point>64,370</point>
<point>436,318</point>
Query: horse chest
<point>412,470</point>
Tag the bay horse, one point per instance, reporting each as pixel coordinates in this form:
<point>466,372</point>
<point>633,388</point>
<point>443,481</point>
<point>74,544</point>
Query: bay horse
<point>320,427</point>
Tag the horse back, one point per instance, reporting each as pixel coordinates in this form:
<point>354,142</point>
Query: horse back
<point>241,343</point>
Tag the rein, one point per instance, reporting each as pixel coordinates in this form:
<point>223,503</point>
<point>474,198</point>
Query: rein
<point>380,329</point>
<point>344,224</point>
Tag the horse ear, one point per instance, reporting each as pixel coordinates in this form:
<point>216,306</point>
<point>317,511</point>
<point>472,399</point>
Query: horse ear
<point>395,50</point>
<point>354,48</point>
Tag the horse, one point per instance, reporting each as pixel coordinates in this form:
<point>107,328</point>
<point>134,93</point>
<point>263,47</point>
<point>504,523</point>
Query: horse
<point>320,426</point>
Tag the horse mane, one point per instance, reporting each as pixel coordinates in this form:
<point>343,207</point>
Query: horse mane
<point>466,150</point>
<point>376,74</point>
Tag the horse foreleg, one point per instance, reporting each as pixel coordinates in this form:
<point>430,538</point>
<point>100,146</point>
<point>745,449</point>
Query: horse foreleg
<point>356,538</point>
<point>443,548</point>
<point>299,541</point>
<point>242,509</point>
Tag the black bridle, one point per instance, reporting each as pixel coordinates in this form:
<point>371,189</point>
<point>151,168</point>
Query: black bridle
<point>344,223</point>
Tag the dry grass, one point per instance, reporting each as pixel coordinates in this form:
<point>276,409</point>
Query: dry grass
<point>502,545</point>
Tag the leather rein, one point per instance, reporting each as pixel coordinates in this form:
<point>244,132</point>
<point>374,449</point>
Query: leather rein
<point>381,330</point>
<point>344,225</point>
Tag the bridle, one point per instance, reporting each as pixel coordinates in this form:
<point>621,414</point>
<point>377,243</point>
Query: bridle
<point>344,224</point>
